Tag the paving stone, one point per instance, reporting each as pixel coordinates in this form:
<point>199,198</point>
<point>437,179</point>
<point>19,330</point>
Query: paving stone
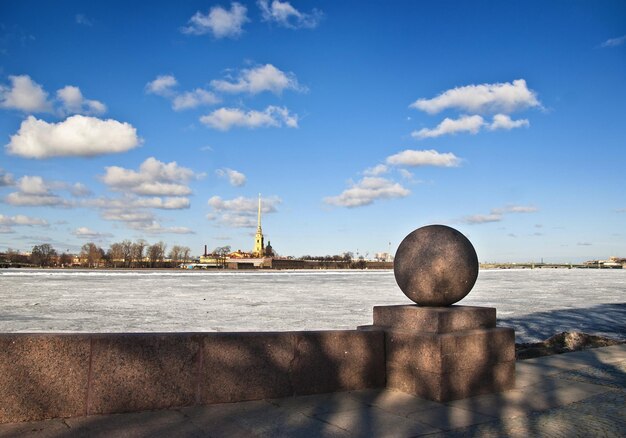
<point>320,403</point>
<point>524,401</point>
<point>447,418</point>
<point>164,424</point>
<point>375,422</point>
<point>611,375</point>
<point>397,402</point>
<point>258,419</point>
<point>39,429</point>
<point>525,378</point>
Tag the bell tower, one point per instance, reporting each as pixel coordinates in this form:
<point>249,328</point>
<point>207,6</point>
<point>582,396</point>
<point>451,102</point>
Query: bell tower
<point>259,246</point>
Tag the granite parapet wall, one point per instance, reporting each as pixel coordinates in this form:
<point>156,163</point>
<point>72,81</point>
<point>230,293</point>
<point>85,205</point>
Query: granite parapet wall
<point>65,375</point>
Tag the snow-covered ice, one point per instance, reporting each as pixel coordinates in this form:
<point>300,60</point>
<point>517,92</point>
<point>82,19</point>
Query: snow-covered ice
<point>537,303</point>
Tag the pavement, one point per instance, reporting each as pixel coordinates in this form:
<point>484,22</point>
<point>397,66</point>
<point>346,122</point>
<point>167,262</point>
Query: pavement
<point>568,395</point>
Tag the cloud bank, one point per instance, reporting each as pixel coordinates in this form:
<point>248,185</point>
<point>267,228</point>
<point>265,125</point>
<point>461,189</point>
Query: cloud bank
<point>77,136</point>
<point>505,97</point>
<point>366,191</point>
<point>219,22</point>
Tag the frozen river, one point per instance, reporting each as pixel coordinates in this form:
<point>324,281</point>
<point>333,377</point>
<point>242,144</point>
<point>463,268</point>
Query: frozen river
<point>537,303</point>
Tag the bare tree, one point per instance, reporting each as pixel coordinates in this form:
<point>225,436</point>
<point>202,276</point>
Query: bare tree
<point>221,253</point>
<point>156,253</point>
<point>65,260</point>
<point>137,251</point>
<point>127,252</point>
<point>186,254</point>
<point>175,254</point>
<point>43,255</point>
<point>92,254</point>
<point>116,254</point>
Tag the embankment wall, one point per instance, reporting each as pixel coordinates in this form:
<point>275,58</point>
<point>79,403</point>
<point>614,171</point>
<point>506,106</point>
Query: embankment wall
<point>65,375</point>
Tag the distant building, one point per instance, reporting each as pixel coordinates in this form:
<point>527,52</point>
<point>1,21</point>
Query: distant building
<point>611,263</point>
<point>383,257</point>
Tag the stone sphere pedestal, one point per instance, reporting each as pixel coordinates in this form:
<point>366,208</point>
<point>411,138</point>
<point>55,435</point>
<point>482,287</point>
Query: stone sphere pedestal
<point>436,350</point>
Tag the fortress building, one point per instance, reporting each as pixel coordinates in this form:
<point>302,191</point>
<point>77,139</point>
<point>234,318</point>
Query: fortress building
<point>259,246</point>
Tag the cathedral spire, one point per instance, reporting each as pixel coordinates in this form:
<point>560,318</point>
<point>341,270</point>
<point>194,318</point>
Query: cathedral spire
<point>259,246</point>
<point>258,227</point>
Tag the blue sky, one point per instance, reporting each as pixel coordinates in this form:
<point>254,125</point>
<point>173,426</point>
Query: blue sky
<point>357,122</point>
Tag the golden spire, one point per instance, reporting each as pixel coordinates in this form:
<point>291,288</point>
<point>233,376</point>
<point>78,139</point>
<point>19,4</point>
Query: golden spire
<point>259,246</point>
<point>258,227</point>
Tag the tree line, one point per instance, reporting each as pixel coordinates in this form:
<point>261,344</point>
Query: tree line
<point>124,254</point>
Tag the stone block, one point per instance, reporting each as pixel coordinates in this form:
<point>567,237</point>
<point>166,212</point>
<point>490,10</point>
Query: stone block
<point>330,361</point>
<point>451,351</point>
<point>434,319</point>
<point>43,376</point>
<point>133,372</point>
<point>246,366</point>
<point>453,385</point>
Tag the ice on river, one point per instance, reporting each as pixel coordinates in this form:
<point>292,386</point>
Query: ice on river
<point>536,303</point>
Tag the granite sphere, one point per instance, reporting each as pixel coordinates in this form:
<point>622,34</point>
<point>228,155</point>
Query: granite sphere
<point>436,265</point>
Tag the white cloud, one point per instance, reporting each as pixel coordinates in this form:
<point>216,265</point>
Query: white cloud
<point>497,214</point>
<point>431,157</point>
<point>8,222</point>
<point>377,170</point>
<point>243,205</point>
<point>504,97</point>
<point>235,178</point>
<point>482,218</point>
<point>284,14</point>
<point>21,220</point>
<point>78,135</point>
<point>82,19</point>
<point>47,200</point>
<point>256,80</point>
<point>33,185</point>
<point>162,85</point>
<point>88,233</point>
<point>193,99</point>
<point>79,190</point>
<point>167,203</point>
<point>126,215</point>
<point>220,22</point>
<point>366,191</point>
<point>73,102</point>
<point>154,178</point>
<point>471,124</point>
<point>132,202</point>
<point>502,121</point>
<point>6,179</point>
<point>614,42</point>
<point>516,209</point>
<point>156,228</point>
<point>224,119</point>
<point>35,192</point>
<point>25,95</point>
<point>406,174</point>
<point>240,212</point>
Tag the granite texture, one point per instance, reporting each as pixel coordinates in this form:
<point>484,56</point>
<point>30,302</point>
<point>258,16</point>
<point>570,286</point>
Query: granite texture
<point>132,372</point>
<point>452,351</point>
<point>436,266</point>
<point>245,366</point>
<point>331,361</point>
<point>446,353</point>
<point>452,385</point>
<point>253,366</point>
<point>43,376</point>
<point>434,319</point>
